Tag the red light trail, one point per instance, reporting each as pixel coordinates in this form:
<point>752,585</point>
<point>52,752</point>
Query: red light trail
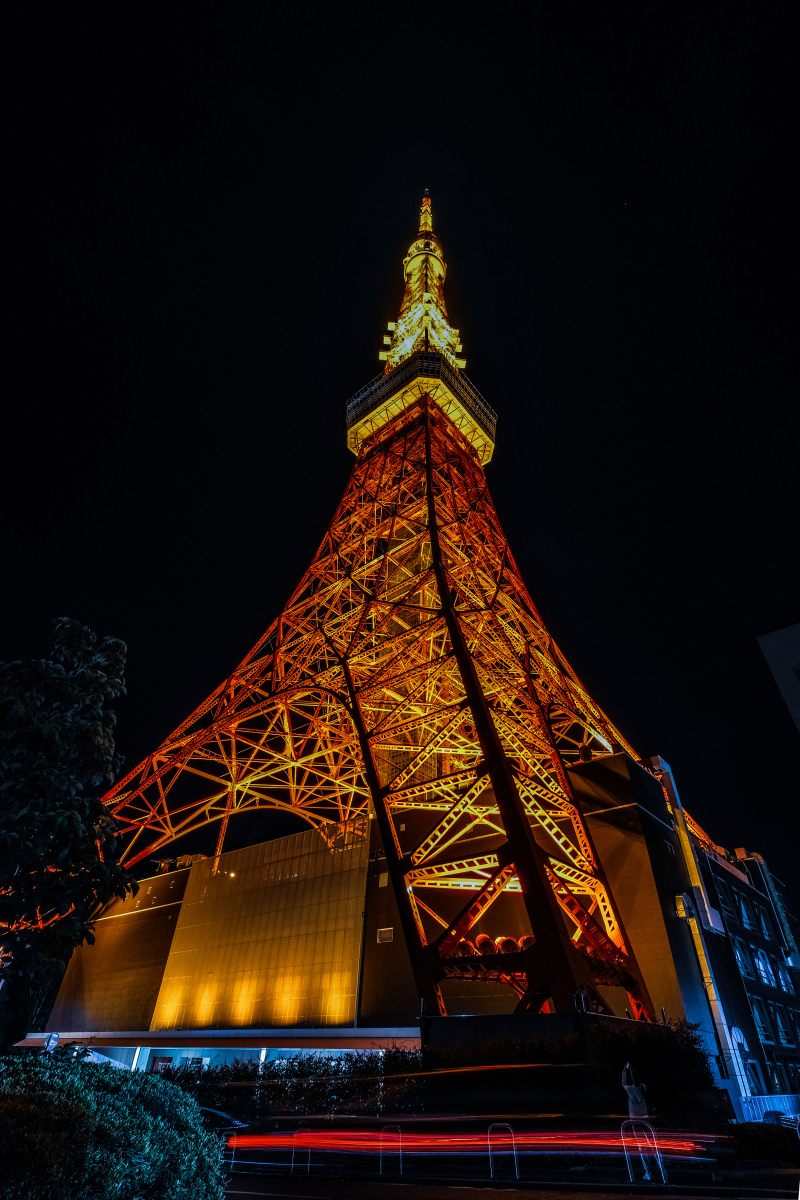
<point>373,1141</point>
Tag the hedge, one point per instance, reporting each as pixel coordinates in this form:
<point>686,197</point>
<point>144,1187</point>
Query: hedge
<point>81,1131</point>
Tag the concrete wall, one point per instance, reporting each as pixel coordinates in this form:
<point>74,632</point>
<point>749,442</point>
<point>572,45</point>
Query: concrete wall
<point>633,832</point>
<point>271,938</point>
<point>114,984</point>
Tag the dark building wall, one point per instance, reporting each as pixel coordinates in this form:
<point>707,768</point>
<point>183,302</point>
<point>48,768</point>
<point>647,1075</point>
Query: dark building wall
<point>388,992</point>
<point>635,839</point>
<point>732,994</point>
<point>113,985</point>
<point>756,965</point>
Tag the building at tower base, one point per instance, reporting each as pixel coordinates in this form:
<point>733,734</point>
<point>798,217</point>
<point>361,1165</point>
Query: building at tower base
<point>295,944</point>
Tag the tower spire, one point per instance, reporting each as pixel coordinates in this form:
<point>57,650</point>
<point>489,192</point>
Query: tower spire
<point>425,214</point>
<point>423,323</point>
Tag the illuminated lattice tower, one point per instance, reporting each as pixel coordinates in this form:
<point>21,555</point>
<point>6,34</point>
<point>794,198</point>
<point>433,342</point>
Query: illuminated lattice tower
<point>411,678</point>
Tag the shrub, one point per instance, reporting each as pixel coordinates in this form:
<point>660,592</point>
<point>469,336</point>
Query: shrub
<point>306,1083</point>
<point>765,1142</point>
<point>79,1131</point>
<point>670,1059</point>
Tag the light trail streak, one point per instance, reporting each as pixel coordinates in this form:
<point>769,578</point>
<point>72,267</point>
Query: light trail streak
<point>372,1142</point>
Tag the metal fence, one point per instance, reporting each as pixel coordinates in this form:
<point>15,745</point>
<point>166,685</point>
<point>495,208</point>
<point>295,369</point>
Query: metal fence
<point>429,366</point>
<point>754,1107</point>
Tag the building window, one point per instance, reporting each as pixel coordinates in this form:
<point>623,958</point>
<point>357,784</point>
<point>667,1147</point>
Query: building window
<point>753,1077</point>
<point>726,904</point>
<point>763,966</point>
<point>760,1017</point>
<point>766,925</point>
<point>786,980</point>
<point>386,935</point>
<point>742,959</point>
<point>739,1039</point>
<point>794,1016</point>
<point>777,1085</point>
<point>747,913</point>
<point>773,962</point>
<point>782,1023</point>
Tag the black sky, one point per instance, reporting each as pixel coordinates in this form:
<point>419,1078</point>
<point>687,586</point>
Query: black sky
<point>211,209</point>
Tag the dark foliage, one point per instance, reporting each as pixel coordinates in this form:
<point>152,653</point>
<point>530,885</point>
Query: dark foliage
<point>767,1143</point>
<point>57,846</point>
<point>654,1050</point>
<point>77,1131</point>
<point>670,1059</point>
<point>305,1084</point>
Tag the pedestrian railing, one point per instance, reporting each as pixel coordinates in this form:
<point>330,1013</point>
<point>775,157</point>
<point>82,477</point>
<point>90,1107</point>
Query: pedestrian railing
<point>299,1151</point>
<point>754,1107</point>
<point>639,1141</point>
<point>392,1135</point>
<point>506,1135</point>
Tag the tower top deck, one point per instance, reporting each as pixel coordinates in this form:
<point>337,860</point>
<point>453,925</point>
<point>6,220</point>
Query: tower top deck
<point>422,355</point>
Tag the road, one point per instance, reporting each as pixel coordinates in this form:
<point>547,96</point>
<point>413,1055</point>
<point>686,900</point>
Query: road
<point>285,1188</point>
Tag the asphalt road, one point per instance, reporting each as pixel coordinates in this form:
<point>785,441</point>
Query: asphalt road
<point>284,1188</point>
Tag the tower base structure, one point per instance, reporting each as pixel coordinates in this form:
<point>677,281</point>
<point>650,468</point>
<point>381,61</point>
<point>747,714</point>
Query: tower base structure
<point>296,944</point>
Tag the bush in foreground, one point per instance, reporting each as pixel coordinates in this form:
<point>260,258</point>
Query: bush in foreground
<point>78,1131</point>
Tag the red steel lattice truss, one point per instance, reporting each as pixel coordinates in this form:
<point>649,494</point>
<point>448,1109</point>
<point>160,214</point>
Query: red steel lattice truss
<point>411,677</point>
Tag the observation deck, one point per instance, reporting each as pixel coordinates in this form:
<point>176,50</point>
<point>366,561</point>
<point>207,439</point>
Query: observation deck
<point>424,373</point>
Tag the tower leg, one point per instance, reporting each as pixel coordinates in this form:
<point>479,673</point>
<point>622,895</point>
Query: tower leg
<point>427,988</point>
<point>559,968</point>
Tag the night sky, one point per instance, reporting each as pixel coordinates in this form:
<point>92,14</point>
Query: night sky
<point>210,213</point>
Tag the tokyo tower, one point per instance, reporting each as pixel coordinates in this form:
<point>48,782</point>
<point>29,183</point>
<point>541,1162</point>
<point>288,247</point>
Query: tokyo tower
<point>411,681</point>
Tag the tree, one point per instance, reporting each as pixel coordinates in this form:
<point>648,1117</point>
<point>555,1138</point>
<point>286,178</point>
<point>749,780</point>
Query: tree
<point>58,857</point>
<point>77,1130</point>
